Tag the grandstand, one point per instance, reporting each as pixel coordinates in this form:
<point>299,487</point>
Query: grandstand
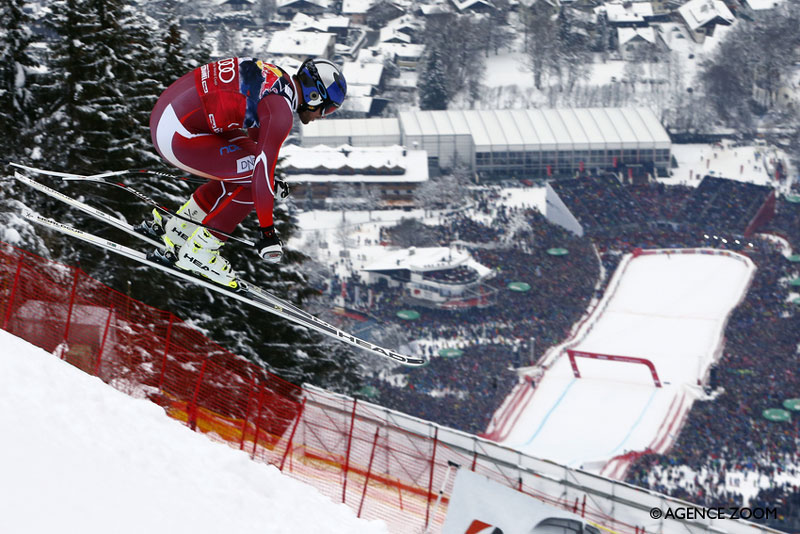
<point>515,143</point>
<point>591,204</point>
<point>736,207</point>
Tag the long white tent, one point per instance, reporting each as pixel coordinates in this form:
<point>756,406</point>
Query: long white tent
<point>527,142</point>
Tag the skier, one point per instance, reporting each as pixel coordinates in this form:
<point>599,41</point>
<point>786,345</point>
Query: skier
<point>226,121</point>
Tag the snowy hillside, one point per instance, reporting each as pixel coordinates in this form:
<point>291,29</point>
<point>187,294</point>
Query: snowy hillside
<point>79,456</point>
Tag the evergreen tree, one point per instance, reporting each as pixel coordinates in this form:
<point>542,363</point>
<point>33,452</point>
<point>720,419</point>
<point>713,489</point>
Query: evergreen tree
<point>15,64</point>
<point>434,95</point>
<point>100,85</point>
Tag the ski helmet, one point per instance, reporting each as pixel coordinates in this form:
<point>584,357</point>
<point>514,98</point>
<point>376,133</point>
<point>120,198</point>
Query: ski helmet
<point>323,85</point>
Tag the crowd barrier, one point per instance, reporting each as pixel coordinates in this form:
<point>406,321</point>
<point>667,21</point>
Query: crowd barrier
<point>383,464</point>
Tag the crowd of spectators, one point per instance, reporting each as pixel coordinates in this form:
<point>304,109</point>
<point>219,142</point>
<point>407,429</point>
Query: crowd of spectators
<point>599,202</point>
<point>724,205</point>
<point>758,370</point>
<point>459,392</point>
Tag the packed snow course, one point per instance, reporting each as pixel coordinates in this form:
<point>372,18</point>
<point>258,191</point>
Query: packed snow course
<point>668,308</point>
<point>81,457</point>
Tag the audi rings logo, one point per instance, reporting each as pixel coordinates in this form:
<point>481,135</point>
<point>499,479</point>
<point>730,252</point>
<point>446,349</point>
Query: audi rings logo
<point>323,91</point>
<point>227,70</point>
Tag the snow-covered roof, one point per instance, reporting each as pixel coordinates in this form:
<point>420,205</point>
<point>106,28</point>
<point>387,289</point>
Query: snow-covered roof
<point>433,9</point>
<point>354,7</point>
<point>627,12</point>
<point>406,80</point>
<point>462,5</point>
<point>698,13</point>
<point>420,259</point>
<point>362,163</point>
<point>405,22</point>
<point>392,35</point>
<point>301,22</point>
<point>377,129</point>
<point>354,90</point>
<point>674,35</point>
<point>540,129</point>
<point>325,4</point>
<point>759,5</point>
<point>362,73</point>
<point>402,49</point>
<point>361,103</point>
<point>300,43</point>
<point>627,34</point>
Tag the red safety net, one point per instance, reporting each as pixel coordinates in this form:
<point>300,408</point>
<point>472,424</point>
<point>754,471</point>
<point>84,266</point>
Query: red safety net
<point>143,351</point>
<point>382,464</point>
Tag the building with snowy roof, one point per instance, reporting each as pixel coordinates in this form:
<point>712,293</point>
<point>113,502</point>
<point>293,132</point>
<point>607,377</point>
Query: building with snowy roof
<point>405,55</point>
<point>391,173</point>
<point>516,143</point>
<point>301,45</point>
<point>363,73</point>
<point>437,277</point>
<point>702,16</point>
<point>305,23</point>
<point>627,14</point>
<point>310,7</point>
<point>633,41</point>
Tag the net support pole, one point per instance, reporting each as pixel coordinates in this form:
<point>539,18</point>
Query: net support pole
<point>430,481</point>
<point>291,436</point>
<point>369,471</point>
<point>166,352</point>
<point>193,408</point>
<point>246,418</point>
<point>347,454</point>
<point>71,304</point>
<point>103,342</point>
<point>10,304</point>
<point>258,421</point>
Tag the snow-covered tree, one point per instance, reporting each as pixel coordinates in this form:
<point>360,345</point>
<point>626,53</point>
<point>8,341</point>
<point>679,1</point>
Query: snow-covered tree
<point>16,61</point>
<point>435,94</point>
<point>102,68</point>
<point>541,40</point>
<point>454,59</point>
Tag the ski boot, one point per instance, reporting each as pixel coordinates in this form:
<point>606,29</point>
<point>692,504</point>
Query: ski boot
<point>173,231</point>
<point>153,228</point>
<point>199,254</point>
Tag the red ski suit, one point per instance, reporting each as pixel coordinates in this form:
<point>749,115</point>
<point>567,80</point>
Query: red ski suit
<point>226,121</point>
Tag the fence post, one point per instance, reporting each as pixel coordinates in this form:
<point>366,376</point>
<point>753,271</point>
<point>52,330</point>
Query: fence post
<point>347,454</point>
<point>103,342</point>
<point>166,351</point>
<point>430,481</point>
<point>291,436</point>
<point>450,465</point>
<point>13,294</point>
<point>369,471</point>
<point>193,408</point>
<point>246,414</point>
<point>258,421</point>
<point>71,303</point>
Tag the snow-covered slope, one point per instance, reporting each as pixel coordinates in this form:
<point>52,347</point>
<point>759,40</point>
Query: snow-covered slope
<point>78,456</point>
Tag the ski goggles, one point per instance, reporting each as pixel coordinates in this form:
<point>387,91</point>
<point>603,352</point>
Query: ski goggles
<point>329,109</point>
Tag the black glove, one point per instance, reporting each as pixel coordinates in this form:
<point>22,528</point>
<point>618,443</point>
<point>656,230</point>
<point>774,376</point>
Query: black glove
<point>281,189</point>
<point>269,246</point>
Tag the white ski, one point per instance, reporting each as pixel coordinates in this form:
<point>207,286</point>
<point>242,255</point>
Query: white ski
<point>246,292</point>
